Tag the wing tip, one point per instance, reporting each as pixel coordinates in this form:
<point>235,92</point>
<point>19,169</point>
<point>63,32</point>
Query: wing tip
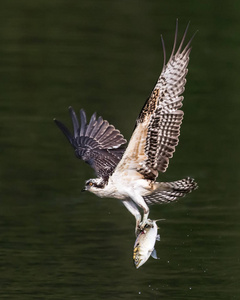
<point>179,50</point>
<point>164,52</point>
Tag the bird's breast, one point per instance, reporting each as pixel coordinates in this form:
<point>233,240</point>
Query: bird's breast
<point>131,182</point>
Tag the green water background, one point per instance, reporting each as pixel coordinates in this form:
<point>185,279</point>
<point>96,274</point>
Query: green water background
<point>105,56</point>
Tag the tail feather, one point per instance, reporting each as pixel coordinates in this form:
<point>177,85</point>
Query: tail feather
<point>171,191</point>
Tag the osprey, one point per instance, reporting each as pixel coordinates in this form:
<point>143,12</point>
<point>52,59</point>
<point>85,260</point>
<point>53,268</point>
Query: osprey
<point>130,174</point>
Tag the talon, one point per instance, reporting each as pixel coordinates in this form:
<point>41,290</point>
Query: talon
<point>141,226</point>
<point>144,224</point>
<point>137,228</point>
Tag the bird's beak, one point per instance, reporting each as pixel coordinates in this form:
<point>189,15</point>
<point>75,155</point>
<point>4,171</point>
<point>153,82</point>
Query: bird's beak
<point>84,189</point>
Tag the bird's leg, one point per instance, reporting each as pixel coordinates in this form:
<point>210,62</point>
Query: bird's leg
<point>132,207</point>
<point>138,199</point>
<point>145,221</point>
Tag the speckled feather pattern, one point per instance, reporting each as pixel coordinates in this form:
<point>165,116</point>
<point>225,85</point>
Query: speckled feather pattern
<point>162,115</point>
<point>130,175</point>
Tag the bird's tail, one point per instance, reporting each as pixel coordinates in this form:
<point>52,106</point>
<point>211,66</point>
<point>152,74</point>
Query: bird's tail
<point>170,191</point>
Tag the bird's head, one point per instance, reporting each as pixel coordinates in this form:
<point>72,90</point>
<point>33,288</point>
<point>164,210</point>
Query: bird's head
<point>94,185</point>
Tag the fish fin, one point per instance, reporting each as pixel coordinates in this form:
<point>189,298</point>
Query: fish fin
<point>154,254</point>
<point>158,238</point>
<point>159,220</point>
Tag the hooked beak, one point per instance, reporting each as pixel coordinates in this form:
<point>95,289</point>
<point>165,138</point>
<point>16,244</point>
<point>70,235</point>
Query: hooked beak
<point>84,189</point>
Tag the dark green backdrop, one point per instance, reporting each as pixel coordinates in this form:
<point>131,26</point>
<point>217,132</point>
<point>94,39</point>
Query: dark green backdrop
<point>105,56</point>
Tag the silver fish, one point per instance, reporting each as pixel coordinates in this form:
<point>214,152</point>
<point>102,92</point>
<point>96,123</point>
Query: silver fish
<point>144,244</point>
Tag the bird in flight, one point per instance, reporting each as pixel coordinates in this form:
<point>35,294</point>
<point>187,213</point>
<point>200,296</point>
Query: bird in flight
<point>130,173</point>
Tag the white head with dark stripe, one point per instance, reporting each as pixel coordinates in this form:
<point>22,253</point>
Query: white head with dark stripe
<point>95,185</point>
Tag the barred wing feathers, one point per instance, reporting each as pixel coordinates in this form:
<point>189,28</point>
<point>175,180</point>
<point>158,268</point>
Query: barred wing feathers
<point>97,143</point>
<point>158,125</point>
<point>170,191</point>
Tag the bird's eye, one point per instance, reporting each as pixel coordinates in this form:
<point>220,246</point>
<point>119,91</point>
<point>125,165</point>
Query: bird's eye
<point>90,184</point>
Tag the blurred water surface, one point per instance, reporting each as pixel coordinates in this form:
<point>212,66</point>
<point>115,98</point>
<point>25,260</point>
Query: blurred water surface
<point>105,56</point>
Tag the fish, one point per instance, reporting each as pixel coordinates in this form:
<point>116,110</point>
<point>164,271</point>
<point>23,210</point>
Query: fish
<point>145,242</point>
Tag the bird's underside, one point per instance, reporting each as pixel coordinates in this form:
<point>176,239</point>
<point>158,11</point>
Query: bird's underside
<point>130,174</point>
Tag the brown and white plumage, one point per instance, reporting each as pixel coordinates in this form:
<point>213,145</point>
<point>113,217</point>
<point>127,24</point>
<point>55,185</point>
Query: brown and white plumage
<point>130,175</point>
<point>158,125</point>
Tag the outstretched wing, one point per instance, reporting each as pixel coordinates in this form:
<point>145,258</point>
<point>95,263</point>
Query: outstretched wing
<point>97,143</point>
<point>158,125</point>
